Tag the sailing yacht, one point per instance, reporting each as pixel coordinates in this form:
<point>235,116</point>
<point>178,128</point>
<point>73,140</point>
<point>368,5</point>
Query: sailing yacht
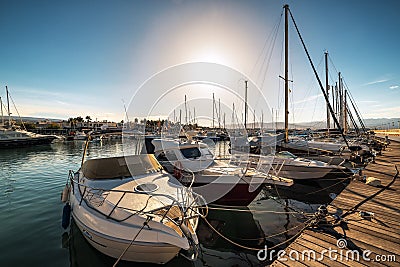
<point>14,136</point>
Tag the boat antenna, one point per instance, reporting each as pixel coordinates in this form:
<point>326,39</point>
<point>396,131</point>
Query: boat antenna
<point>318,79</point>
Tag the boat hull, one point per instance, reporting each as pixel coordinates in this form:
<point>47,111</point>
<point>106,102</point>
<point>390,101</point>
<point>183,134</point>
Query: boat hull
<point>238,195</point>
<point>120,222</point>
<point>302,172</point>
<point>224,190</point>
<point>23,142</point>
<point>159,253</point>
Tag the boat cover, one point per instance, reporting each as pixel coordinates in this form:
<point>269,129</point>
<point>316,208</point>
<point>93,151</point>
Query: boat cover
<point>119,167</point>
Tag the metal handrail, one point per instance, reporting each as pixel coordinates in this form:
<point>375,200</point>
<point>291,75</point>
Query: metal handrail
<point>196,198</point>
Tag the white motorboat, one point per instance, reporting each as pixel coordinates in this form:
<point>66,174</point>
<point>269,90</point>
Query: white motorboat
<point>129,209</point>
<point>310,146</point>
<point>13,136</point>
<point>297,168</point>
<point>218,181</point>
<point>80,136</point>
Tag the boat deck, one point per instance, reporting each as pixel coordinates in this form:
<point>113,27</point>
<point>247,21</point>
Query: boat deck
<point>379,234</point>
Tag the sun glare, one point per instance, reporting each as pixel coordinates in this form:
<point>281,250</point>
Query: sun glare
<point>211,55</point>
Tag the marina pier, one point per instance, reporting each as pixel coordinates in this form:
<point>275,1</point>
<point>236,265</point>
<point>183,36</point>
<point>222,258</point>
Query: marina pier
<point>372,226</point>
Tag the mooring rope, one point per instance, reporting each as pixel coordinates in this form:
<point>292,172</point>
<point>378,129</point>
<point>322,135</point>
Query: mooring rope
<point>218,207</point>
<point>145,223</point>
<point>353,209</point>
<point>308,223</point>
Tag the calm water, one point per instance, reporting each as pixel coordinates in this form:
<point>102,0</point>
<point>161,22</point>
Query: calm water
<point>31,180</point>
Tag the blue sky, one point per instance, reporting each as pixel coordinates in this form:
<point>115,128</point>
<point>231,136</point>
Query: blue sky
<point>63,59</point>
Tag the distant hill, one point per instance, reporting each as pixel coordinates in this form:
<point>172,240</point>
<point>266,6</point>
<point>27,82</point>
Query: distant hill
<point>30,119</point>
<point>369,123</point>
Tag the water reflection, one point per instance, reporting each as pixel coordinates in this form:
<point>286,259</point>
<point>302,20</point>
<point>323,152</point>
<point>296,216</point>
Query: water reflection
<point>310,192</point>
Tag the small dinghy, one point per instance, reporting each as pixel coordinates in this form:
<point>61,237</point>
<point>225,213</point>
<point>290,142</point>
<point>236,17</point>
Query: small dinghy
<point>129,209</point>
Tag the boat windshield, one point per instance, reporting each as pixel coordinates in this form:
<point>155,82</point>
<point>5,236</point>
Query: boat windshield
<point>286,154</point>
<point>191,152</point>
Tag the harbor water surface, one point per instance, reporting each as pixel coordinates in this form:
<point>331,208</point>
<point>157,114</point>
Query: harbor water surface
<point>31,180</point>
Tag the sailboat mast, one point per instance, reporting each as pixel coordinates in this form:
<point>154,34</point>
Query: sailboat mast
<point>8,107</point>
<point>328,117</point>
<point>219,113</point>
<point>2,115</point>
<point>186,114</point>
<point>245,106</point>
<point>213,104</point>
<point>254,120</point>
<point>286,7</point>
<point>262,121</point>
<point>345,129</point>
<point>340,89</point>
<point>233,115</point>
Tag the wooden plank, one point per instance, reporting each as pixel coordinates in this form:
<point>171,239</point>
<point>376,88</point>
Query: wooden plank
<point>373,240</point>
<point>374,225</point>
<point>381,235</point>
<point>382,204</point>
<point>362,188</point>
<point>318,248</point>
<point>278,263</point>
<point>300,248</point>
<point>333,244</point>
<point>320,245</point>
<point>381,213</point>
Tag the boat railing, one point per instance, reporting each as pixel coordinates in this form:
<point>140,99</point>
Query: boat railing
<point>177,211</point>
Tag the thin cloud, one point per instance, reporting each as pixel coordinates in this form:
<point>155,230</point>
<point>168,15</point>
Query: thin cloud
<point>368,101</point>
<point>394,87</point>
<point>310,98</point>
<point>376,82</point>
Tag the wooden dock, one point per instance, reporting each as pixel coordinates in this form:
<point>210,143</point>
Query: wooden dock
<point>379,234</point>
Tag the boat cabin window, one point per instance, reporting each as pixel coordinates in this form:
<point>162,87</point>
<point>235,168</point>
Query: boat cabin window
<point>206,152</point>
<point>191,153</point>
<point>167,156</point>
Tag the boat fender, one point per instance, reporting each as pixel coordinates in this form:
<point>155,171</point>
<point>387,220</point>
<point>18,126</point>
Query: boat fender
<point>66,216</point>
<point>186,231</point>
<point>65,193</point>
<point>372,181</point>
